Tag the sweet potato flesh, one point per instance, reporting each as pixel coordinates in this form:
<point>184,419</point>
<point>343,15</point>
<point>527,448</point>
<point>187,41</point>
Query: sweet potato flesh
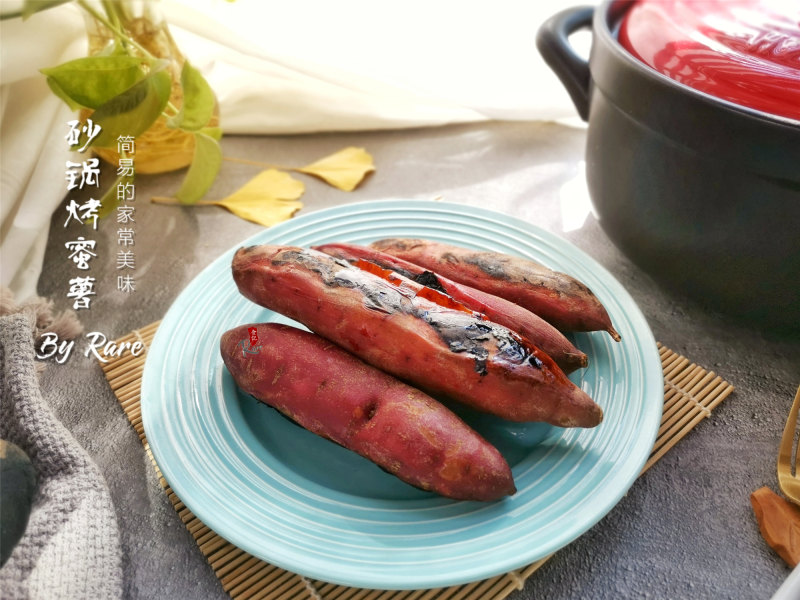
<point>442,350</point>
<point>497,309</point>
<point>558,298</point>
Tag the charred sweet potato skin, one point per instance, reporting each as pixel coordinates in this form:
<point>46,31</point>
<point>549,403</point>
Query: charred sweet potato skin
<point>443,351</point>
<point>499,310</point>
<point>558,298</point>
<point>337,396</point>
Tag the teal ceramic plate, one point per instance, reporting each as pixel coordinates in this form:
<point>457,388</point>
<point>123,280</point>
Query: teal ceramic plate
<point>309,506</point>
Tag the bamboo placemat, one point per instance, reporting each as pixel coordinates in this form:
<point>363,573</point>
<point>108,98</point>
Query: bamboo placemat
<point>690,394</point>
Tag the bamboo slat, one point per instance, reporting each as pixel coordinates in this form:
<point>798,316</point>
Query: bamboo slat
<point>690,395</point>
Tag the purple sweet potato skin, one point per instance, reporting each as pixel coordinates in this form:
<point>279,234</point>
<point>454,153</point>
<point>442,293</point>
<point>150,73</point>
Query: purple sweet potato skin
<point>440,350</point>
<point>558,298</point>
<point>337,396</point>
<point>501,311</point>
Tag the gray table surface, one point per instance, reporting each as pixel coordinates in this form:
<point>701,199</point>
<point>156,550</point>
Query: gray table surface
<point>685,529</point>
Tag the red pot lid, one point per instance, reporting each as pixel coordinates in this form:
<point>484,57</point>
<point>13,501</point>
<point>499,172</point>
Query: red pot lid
<point>743,51</point>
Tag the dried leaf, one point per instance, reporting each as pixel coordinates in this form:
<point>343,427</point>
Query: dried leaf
<point>272,183</point>
<point>344,169</point>
<point>266,211</point>
<point>271,197</point>
<point>779,522</point>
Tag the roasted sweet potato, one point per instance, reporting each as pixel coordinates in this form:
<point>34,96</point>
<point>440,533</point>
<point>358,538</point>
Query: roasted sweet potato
<point>558,298</point>
<point>499,310</point>
<point>337,396</point>
<point>415,333</point>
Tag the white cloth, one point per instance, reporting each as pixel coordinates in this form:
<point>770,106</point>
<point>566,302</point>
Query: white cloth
<point>32,145</point>
<point>278,68</point>
<point>311,65</point>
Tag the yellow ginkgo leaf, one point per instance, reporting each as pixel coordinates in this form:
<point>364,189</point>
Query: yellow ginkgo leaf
<point>344,169</point>
<point>265,211</point>
<point>272,183</point>
<point>269,198</point>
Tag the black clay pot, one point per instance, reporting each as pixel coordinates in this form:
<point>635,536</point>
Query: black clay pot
<point>701,193</point>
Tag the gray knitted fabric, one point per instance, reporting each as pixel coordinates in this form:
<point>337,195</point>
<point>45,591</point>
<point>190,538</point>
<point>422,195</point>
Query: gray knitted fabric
<point>71,547</point>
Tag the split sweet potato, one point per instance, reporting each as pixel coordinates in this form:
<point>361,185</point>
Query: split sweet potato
<point>337,396</point>
<point>414,333</point>
<point>499,310</point>
<point>557,297</point>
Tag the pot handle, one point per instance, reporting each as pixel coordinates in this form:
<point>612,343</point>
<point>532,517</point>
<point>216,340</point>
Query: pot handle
<point>552,40</point>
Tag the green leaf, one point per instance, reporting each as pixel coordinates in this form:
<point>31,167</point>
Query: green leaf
<point>95,80</point>
<point>203,170</point>
<point>56,89</point>
<point>30,7</point>
<point>113,48</point>
<point>198,101</point>
<point>110,199</point>
<point>214,132</point>
<point>133,111</point>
